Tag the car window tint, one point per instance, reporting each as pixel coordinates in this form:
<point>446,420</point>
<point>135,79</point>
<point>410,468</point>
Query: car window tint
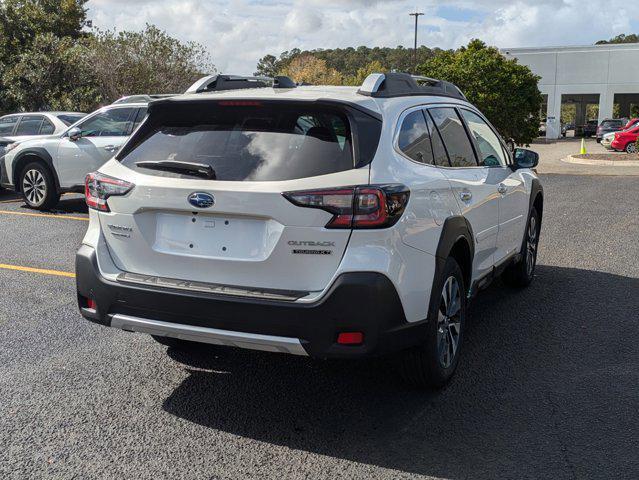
<point>458,146</point>
<point>7,124</point>
<point>29,125</point>
<point>70,119</point>
<point>490,149</point>
<point>140,116</point>
<point>414,139</point>
<point>47,128</point>
<point>112,123</point>
<point>250,143</point>
<point>439,152</point>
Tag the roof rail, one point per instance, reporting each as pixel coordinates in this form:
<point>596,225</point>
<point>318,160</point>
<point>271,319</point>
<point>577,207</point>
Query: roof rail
<point>142,98</point>
<point>389,85</point>
<point>218,83</point>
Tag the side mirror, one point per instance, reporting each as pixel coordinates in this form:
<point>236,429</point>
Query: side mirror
<point>525,158</point>
<point>74,134</point>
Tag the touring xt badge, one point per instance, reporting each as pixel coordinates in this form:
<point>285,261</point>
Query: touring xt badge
<point>310,251</point>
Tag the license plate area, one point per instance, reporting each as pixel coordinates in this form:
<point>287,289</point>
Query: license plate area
<point>216,236</point>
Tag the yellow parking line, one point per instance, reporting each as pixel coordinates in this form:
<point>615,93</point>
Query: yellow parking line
<point>47,215</point>
<point>15,200</point>
<point>43,271</point>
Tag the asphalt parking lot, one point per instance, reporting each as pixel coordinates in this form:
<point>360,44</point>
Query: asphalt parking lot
<point>548,386</point>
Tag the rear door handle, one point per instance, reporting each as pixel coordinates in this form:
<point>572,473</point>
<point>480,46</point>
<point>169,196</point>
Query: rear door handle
<point>111,148</point>
<point>501,188</point>
<point>465,196</point>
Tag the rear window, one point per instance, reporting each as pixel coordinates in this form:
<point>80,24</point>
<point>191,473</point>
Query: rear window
<point>68,119</point>
<point>611,123</point>
<point>247,141</point>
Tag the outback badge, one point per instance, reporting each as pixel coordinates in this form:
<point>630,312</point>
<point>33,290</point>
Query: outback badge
<point>201,199</point>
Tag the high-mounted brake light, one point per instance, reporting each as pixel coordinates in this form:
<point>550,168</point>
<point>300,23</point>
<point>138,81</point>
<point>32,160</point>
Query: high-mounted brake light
<point>374,206</point>
<point>239,103</point>
<point>98,188</point>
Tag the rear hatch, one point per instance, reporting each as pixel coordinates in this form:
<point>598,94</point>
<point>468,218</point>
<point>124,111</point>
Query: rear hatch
<point>229,223</point>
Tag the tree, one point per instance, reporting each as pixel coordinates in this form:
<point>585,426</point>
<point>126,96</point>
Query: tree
<point>149,61</point>
<point>357,79</point>
<point>53,74</point>
<point>623,38</point>
<point>348,61</point>
<point>505,91</point>
<point>309,69</point>
<point>267,66</point>
<point>24,22</point>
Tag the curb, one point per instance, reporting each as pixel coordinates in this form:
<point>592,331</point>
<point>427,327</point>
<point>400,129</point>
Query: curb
<point>601,163</point>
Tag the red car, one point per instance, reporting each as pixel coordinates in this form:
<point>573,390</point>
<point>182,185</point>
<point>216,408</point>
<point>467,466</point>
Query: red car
<point>625,140</point>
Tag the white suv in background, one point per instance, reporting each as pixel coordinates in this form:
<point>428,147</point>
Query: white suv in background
<point>319,221</point>
<point>18,127</point>
<point>44,168</point>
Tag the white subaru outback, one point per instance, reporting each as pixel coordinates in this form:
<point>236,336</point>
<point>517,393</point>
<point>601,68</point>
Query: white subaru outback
<point>320,221</point>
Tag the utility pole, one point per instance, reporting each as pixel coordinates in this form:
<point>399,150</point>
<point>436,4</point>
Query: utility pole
<point>416,15</point>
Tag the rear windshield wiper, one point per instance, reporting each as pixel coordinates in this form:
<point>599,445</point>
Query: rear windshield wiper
<point>188,168</point>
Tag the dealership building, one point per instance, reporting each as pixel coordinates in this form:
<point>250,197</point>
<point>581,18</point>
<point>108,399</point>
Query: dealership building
<point>606,76</point>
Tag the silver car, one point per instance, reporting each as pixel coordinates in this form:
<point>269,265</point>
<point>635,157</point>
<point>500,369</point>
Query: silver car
<point>18,127</point>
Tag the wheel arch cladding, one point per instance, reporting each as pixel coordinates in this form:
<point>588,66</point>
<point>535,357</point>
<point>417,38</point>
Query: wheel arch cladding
<point>537,199</point>
<point>456,239</point>
<point>32,155</point>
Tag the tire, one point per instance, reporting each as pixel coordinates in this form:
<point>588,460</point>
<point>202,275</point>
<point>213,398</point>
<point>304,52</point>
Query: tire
<point>432,364</point>
<point>38,187</point>
<point>521,274</point>
<point>631,148</point>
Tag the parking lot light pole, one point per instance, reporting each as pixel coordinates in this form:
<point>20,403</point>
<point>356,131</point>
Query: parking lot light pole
<point>416,15</point>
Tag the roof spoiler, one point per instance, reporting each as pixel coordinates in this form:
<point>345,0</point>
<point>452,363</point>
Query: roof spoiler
<point>218,83</point>
<point>389,85</point>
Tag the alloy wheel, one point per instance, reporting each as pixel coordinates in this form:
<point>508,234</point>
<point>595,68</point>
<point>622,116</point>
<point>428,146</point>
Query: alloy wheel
<point>34,187</point>
<point>531,246</point>
<point>449,322</point>
<point>631,148</point>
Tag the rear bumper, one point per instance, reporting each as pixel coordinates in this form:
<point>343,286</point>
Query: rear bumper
<point>364,302</point>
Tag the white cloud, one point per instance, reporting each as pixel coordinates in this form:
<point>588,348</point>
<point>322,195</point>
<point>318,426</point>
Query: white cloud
<point>238,32</point>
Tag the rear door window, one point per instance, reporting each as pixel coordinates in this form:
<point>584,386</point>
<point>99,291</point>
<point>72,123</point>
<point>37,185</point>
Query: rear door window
<point>29,125</point>
<point>252,142</point>
<point>453,133</point>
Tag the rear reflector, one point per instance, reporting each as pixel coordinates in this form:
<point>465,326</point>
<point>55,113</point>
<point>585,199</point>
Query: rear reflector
<point>374,206</point>
<point>350,338</point>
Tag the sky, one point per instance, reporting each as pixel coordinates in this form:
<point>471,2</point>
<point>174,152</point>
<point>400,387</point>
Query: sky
<point>239,32</point>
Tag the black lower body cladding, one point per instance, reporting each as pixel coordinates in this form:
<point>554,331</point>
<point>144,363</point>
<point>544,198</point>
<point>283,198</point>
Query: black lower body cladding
<point>364,302</point>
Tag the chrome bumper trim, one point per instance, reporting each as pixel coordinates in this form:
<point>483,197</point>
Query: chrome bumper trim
<point>252,341</point>
<point>213,288</point>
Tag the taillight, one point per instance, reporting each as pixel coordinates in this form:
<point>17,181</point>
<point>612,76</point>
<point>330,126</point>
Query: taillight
<point>98,188</point>
<point>375,206</point>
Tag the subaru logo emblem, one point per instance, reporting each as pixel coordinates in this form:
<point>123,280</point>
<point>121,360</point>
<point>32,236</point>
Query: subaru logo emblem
<point>201,200</point>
